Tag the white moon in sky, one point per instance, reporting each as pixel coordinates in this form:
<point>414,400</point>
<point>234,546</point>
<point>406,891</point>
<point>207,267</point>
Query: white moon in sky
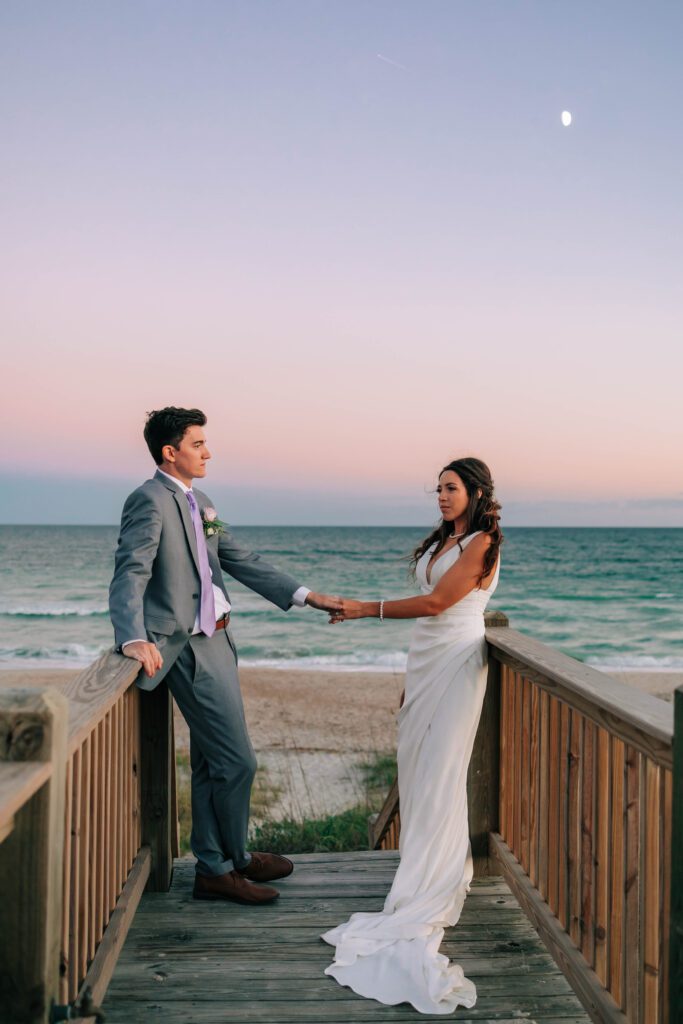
<point>566,118</point>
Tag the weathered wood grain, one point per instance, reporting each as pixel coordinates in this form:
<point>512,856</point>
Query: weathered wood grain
<point>676,902</point>
<point>617,934</point>
<point>602,858</point>
<point>210,962</point>
<point>641,720</point>
<point>633,881</point>
<point>574,825</point>
<point>585,983</point>
<point>18,782</point>
<point>484,773</point>
<point>94,691</point>
<point>34,727</point>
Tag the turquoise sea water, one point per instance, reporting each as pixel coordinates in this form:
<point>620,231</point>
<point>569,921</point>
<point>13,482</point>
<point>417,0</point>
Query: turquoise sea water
<point>612,597</point>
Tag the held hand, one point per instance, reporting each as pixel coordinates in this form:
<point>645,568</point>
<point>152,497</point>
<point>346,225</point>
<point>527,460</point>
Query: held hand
<point>324,602</point>
<point>348,610</point>
<point>147,654</point>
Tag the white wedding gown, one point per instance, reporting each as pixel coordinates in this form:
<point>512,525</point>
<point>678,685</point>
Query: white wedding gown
<point>393,956</point>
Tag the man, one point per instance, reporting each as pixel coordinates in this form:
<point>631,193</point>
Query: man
<point>170,611</point>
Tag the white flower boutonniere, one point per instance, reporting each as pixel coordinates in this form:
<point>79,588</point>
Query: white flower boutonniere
<point>212,524</point>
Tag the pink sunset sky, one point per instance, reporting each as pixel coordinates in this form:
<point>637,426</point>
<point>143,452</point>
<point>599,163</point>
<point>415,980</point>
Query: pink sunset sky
<point>359,270</point>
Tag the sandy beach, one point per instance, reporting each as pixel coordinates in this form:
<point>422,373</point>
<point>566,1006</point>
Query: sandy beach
<point>312,730</point>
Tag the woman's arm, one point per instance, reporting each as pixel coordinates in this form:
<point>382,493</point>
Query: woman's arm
<point>455,584</point>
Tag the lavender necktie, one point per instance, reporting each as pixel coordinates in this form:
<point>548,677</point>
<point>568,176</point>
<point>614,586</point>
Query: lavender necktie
<point>207,604</point>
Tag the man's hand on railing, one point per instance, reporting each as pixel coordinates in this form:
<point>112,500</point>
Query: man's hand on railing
<point>147,654</point>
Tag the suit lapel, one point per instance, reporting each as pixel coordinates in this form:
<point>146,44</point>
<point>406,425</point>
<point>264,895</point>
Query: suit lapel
<point>185,515</point>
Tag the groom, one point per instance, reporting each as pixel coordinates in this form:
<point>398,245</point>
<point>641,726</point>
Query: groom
<point>171,611</point>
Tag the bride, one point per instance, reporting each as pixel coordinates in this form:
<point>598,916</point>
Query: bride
<point>393,956</point>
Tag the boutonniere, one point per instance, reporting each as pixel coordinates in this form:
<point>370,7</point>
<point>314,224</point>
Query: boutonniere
<point>211,523</point>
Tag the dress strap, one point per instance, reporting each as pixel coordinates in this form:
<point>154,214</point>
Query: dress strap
<point>470,536</point>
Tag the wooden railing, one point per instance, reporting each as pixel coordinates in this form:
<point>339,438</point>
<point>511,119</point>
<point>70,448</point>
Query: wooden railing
<point>86,823</point>
<point>573,795</point>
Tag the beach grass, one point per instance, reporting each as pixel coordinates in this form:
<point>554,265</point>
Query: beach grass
<point>341,832</point>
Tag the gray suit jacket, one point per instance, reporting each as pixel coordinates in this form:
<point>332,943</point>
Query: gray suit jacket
<point>155,588</point>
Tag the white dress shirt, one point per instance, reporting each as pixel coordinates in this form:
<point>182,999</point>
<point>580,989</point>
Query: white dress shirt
<point>222,605</point>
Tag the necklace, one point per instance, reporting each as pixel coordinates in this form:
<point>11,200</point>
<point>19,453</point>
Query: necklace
<point>456,536</point>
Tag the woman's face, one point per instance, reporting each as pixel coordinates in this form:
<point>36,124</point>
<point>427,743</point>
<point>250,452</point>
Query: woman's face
<point>452,495</point>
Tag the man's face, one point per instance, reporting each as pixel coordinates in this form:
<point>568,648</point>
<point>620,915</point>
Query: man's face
<point>190,457</point>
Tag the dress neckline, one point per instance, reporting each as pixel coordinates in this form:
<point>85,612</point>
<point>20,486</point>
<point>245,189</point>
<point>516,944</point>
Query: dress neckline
<point>430,564</point>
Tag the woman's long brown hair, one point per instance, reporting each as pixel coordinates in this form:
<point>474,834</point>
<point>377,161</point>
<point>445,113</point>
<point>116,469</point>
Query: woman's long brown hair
<point>483,513</point>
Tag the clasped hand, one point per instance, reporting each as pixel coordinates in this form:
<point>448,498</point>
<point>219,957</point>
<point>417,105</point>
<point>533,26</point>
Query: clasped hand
<point>348,609</point>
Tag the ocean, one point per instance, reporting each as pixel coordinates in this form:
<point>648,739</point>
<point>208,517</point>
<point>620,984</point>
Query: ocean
<point>610,597</point>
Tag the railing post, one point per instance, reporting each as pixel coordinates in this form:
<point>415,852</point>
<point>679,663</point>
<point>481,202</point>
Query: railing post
<point>482,777</point>
<point>33,727</point>
<point>157,765</point>
<point>676,920</point>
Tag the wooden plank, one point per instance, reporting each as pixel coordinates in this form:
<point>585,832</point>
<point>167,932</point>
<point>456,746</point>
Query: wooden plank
<point>676,901</point>
<point>574,826</point>
<point>123,866</point>
<point>74,979</point>
<point>517,765</point>
<point>667,851</point>
<point>83,879</point>
<point>617,935</point>
<point>632,886</point>
<point>643,721</point>
<point>19,780</point>
<point>33,727</point>
<point>484,773</point>
<point>585,983</point>
<point>524,815</point>
<point>652,895</point>
<point>602,855</point>
<point>92,693</point>
<point>104,963</point>
<point>138,790</point>
<point>156,765</point>
<point>386,814</point>
<point>109,881</point>
<point>504,776</point>
<point>116,799</point>
<point>563,814</point>
<point>587,913</point>
<point>100,790</point>
<point>554,805</point>
<point>64,995</point>
<point>94,859</point>
<point>534,741</point>
<point>543,782</point>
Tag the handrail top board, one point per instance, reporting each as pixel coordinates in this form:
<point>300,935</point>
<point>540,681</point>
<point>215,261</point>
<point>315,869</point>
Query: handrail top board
<point>94,691</point>
<point>19,780</point>
<point>640,719</point>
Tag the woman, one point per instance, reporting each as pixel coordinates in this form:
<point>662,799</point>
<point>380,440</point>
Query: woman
<point>393,956</point>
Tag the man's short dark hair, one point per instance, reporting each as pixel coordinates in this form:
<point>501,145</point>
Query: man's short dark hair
<point>168,426</point>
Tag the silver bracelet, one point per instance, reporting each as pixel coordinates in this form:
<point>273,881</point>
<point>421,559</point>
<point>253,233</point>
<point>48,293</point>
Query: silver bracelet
<point>381,611</point>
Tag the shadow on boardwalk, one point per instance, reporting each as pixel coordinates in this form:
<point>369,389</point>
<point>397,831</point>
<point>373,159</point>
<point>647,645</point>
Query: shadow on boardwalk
<point>186,962</point>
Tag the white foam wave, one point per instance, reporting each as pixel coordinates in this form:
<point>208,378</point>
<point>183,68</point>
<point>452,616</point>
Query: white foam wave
<point>53,610</point>
<point>360,661</point>
<point>64,656</point>
<point>636,663</point>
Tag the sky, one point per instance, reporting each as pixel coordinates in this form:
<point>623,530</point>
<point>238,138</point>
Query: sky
<point>357,235</point>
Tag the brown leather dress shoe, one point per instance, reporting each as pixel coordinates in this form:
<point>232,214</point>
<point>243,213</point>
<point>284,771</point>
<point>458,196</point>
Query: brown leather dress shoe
<point>232,886</point>
<point>266,867</point>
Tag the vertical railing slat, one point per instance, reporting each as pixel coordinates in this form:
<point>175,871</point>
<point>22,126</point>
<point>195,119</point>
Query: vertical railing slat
<point>602,855</point>
<point>617,869</point>
<point>587,843</point>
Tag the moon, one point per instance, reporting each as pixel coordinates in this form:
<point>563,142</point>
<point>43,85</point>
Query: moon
<point>566,118</point>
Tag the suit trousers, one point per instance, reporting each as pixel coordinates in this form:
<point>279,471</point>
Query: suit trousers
<point>204,683</point>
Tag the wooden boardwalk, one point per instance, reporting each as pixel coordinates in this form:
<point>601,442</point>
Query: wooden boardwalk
<point>186,962</point>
